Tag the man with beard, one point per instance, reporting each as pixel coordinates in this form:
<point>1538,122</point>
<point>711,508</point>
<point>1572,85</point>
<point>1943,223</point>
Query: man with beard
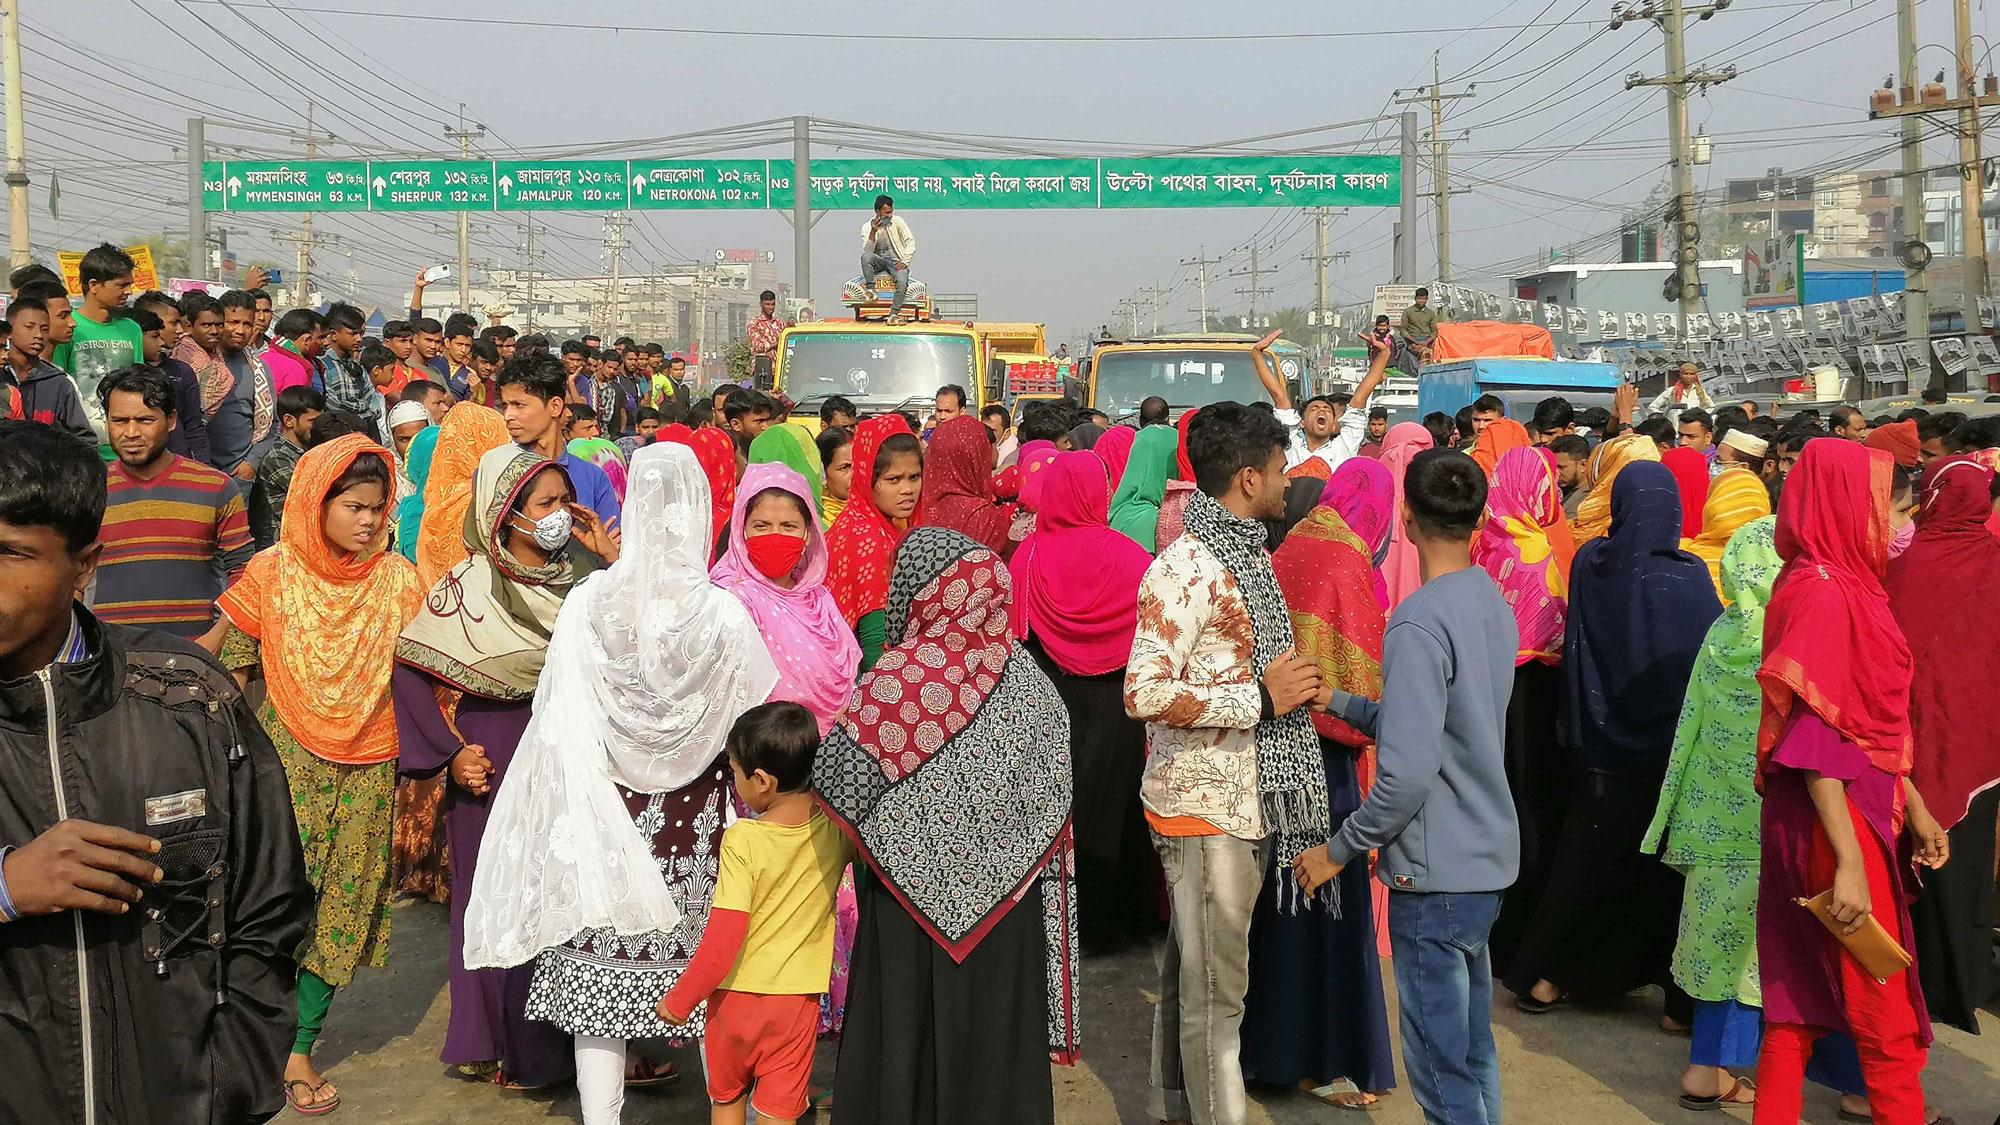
<point>243,423</point>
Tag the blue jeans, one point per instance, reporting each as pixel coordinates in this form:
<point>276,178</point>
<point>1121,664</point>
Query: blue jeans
<point>873,263</point>
<point>1444,992</point>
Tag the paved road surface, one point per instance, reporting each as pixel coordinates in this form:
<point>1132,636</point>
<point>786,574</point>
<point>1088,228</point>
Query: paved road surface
<point>1591,1068</point>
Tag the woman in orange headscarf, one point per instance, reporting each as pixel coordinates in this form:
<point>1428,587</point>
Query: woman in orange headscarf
<point>319,612</point>
<point>1495,440</point>
<point>467,433</point>
<point>1593,516</point>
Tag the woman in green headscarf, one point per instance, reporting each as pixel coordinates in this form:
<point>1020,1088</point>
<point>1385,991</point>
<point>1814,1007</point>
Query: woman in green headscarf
<point>410,509</point>
<point>1709,814</point>
<point>1135,507</point>
<point>792,447</point>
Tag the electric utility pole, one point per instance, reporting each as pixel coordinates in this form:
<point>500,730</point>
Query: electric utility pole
<point>1131,308</point>
<point>1441,192</point>
<point>303,281</point>
<point>464,137</point>
<point>1255,289</point>
<point>1201,261</point>
<point>528,274</point>
<point>1322,317</point>
<point>614,247</point>
<point>1671,16</point>
<point>1154,293</point>
<point>1967,105</point>
<point>17,135</point>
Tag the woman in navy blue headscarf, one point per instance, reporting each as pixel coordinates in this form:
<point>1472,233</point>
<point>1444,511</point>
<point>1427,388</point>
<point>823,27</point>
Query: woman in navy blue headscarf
<point>1639,607</point>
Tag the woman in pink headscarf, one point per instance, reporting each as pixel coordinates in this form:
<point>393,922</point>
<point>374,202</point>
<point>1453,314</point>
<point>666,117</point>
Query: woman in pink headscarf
<point>776,563</point>
<point>1114,449</point>
<point>1399,571</point>
<point>1076,606</point>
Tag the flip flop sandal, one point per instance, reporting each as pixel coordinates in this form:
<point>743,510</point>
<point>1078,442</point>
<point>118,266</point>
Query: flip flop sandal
<point>649,1073</point>
<point>1717,1101</point>
<point>1335,1089</point>
<point>506,1082</point>
<point>318,1108</point>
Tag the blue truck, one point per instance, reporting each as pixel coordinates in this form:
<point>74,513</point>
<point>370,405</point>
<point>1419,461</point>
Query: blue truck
<point>1520,383</point>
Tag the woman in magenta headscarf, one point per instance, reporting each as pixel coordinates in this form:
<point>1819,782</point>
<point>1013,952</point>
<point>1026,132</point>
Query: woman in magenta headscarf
<point>1114,449</point>
<point>776,563</point>
<point>1076,606</point>
<point>1399,571</point>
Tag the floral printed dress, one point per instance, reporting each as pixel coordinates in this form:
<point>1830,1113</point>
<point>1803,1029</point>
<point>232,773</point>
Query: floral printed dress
<point>605,984</point>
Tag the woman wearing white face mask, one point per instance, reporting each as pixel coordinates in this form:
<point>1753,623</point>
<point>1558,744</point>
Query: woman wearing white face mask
<point>464,687</point>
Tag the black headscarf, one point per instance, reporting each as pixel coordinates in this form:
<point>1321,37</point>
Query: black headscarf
<point>1639,607</point>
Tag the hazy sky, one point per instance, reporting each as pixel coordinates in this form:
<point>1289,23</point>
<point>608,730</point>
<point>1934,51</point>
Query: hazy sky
<point>1557,145</point>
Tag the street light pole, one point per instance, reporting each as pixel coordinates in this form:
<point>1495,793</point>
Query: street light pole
<point>17,135</point>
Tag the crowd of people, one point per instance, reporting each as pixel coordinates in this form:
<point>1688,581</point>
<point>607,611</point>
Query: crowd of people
<point>712,727</point>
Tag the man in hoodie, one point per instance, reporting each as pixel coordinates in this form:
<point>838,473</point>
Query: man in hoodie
<point>36,390</point>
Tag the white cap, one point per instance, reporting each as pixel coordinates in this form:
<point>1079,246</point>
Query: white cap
<point>404,413</point>
<point>1743,441</point>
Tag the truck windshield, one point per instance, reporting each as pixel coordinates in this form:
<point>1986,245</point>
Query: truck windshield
<point>876,367</point>
<point>1184,378</point>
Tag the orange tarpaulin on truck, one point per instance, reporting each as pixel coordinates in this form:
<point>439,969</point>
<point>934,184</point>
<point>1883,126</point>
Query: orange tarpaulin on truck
<point>1475,338</point>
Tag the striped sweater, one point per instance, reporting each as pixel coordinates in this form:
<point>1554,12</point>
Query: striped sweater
<point>170,545</point>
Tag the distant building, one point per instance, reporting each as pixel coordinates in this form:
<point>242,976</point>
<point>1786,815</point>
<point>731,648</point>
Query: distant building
<point>1628,286</point>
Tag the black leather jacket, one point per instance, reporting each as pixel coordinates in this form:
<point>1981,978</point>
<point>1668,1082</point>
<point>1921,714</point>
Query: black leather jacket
<point>183,1009</point>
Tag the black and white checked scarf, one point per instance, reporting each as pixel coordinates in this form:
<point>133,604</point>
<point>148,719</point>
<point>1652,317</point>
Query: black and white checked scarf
<point>1291,776</point>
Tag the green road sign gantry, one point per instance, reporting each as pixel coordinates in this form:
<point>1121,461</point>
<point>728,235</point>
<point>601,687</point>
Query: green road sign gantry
<point>1033,183</point>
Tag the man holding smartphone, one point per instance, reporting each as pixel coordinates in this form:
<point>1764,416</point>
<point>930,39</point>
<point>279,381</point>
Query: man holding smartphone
<point>887,247</point>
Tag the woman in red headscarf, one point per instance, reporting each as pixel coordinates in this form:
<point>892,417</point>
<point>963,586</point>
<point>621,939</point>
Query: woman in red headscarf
<point>958,484</point>
<point>1690,471</point>
<point>882,506</point>
<point>1834,757</point>
<point>1950,576</point>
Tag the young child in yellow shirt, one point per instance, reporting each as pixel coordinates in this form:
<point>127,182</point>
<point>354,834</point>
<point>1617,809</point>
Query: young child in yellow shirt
<point>767,952</point>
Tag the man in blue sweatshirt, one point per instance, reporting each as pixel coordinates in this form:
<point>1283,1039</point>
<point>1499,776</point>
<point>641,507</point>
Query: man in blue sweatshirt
<point>1440,811</point>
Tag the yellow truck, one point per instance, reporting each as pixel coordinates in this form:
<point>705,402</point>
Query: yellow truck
<point>1188,371</point>
<point>881,368</point>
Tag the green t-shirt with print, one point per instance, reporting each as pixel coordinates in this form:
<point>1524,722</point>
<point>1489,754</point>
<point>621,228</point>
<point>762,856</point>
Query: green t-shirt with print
<point>96,351</point>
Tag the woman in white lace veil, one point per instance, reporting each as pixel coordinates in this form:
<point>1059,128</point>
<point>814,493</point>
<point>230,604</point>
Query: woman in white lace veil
<point>600,856</point>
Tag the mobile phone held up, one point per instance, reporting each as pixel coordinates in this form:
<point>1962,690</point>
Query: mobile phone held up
<point>436,273</point>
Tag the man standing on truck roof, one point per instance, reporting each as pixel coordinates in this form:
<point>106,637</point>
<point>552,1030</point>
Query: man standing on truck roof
<point>1419,328</point>
<point>887,247</point>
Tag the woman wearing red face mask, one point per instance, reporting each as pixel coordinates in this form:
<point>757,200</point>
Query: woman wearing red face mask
<point>776,564</point>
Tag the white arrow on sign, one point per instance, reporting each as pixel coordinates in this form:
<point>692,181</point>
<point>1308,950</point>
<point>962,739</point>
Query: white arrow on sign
<point>638,184</point>
<point>506,185</point>
<point>235,186</point>
<point>381,185</point>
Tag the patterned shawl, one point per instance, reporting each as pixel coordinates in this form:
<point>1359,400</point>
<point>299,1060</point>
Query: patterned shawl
<point>1076,581</point>
<point>958,483</point>
<point>862,541</point>
<point>1735,497</point>
<point>1708,809</point>
<point>485,625</point>
<point>1523,515</point>
<point>209,370</point>
<point>952,773</point>
<point>604,454</point>
<point>1951,576</point>
<point>1593,516</point>
<point>469,432</point>
<point>1830,641</point>
<point>792,447</point>
<point>1690,471</point>
<point>410,509</point>
<point>1400,572</point>
<point>1290,772</point>
<point>327,621</point>
<point>1135,507</point>
<point>1327,572</point>
<point>816,652</point>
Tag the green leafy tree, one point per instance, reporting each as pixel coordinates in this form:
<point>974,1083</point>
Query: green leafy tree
<point>736,359</point>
